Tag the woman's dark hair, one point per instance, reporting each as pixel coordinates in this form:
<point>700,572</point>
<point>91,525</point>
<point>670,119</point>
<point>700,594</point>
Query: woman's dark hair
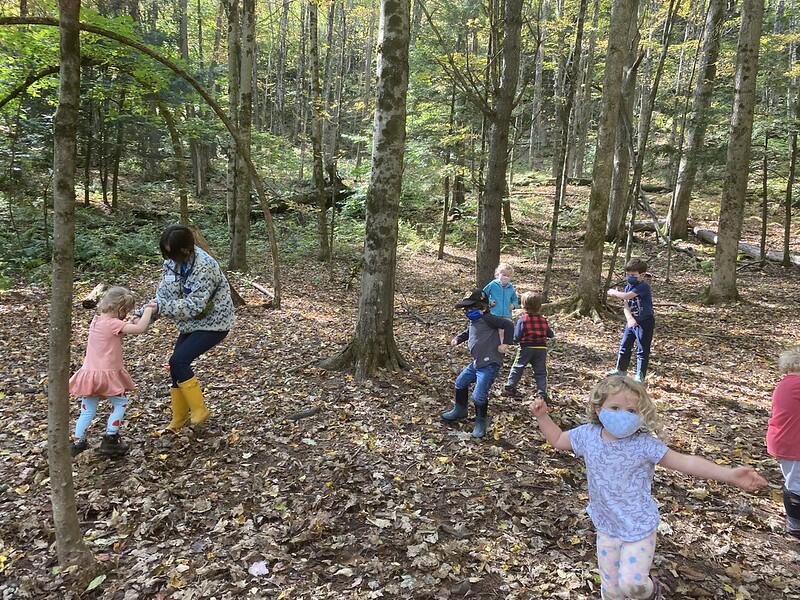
<point>177,242</point>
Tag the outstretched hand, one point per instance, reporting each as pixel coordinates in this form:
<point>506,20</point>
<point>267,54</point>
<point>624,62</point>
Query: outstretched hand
<point>747,478</point>
<point>538,408</point>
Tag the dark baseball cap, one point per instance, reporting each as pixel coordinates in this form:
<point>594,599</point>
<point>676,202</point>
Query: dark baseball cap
<point>476,296</point>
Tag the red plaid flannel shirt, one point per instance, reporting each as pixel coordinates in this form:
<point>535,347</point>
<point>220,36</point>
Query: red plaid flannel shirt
<point>535,330</point>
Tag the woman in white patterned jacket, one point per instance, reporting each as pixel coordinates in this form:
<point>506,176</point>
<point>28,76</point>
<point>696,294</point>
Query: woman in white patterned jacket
<point>193,293</point>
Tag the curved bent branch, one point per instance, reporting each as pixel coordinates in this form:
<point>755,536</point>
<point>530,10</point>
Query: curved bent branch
<point>240,145</point>
<point>28,82</point>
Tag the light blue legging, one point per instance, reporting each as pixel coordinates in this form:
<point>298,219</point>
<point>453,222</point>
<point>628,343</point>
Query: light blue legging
<point>89,409</point>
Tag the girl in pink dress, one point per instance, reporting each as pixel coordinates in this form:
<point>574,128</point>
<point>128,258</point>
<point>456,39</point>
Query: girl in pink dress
<point>103,374</point>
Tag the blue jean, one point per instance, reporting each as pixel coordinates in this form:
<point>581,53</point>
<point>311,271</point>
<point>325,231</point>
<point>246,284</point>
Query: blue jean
<point>537,358</point>
<point>483,378</point>
<point>642,334</point>
<point>189,346</point>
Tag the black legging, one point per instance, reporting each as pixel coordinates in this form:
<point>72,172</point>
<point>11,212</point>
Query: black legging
<point>189,346</point>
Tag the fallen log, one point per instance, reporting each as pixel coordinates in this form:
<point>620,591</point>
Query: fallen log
<point>91,299</point>
<point>750,250</point>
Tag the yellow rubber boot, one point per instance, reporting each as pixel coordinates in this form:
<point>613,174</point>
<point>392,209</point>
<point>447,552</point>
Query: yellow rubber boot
<point>180,410</point>
<point>194,398</point>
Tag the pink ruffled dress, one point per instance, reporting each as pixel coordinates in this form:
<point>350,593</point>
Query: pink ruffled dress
<point>102,373</point>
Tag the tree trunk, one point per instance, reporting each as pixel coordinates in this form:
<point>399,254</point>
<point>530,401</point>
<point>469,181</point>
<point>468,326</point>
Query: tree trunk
<point>69,543</point>
<point>180,160</point>
<point>234,88</point>
<point>620,178</point>
<point>373,345</point>
<point>87,156</point>
<point>562,156</point>
<point>117,154</point>
<point>687,170</point>
<point>622,12</point>
<point>787,221</point>
<point>764,198</point>
<point>488,247</point>
<point>280,75</point>
<point>368,47</point>
<point>583,103</point>
<point>316,136</point>
<point>723,279</point>
<point>536,138</point>
<point>241,232</point>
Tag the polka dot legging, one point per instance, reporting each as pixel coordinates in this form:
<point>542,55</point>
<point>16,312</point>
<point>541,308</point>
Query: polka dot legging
<point>625,567</point>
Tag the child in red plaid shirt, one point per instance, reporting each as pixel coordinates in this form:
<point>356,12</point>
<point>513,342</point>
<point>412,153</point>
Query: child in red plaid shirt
<point>531,333</point>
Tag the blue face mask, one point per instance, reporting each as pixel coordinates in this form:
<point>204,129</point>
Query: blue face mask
<point>632,279</point>
<point>473,314</point>
<point>620,423</point>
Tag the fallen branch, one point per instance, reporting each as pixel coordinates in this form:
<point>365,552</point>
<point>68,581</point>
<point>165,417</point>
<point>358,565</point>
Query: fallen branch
<point>304,414</point>
<point>261,289</point>
<point>754,252</point>
<point>91,299</point>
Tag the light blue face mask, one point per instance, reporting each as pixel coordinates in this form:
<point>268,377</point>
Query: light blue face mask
<point>620,423</point>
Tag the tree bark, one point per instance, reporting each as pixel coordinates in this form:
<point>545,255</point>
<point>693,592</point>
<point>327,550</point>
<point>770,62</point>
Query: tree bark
<point>118,141</point>
<point>234,87</point>
<point>787,219</point>
<point>316,135</point>
<point>180,160</point>
<point>373,345</point>
<point>562,156</point>
<point>687,169</point>
<point>622,12</point>
<point>620,178</point>
<point>583,103</point>
<point>69,543</point>
<point>488,246</point>
<point>723,279</point>
<point>241,230</point>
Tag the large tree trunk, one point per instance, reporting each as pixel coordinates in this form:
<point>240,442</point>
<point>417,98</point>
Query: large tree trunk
<point>622,12</point>
<point>723,280</point>
<point>488,247</point>
<point>620,178</point>
<point>247,44</point>
<point>687,170</point>
<point>323,250</point>
<point>69,542</point>
<point>373,345</point>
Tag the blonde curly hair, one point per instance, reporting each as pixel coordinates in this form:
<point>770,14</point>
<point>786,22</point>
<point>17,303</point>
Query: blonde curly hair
<point>621,384</point>
<point>789,361</point>
<point>118,301</point>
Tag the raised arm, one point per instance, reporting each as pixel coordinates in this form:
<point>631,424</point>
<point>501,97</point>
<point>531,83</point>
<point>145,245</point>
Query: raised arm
<point>552,432</point>
<point>745,478</point>
<point>141,325</point>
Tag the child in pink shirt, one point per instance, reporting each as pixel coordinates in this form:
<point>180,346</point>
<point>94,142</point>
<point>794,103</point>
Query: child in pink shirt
<point>103,374</point>
<point>783,435</point>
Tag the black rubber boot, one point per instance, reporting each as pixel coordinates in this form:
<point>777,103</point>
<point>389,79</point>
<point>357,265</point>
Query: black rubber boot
<point>78,446</point>
<point>791,502</point>
<point>510,392</point>
<point>113,446</point>
<point>480,421</point>
<point>459,410</point>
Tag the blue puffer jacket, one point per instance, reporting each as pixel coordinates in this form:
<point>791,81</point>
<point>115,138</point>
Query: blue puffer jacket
<point>501,298</point>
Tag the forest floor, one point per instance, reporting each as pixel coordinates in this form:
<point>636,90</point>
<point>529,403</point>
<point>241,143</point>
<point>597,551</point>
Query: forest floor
<point>372,496</point>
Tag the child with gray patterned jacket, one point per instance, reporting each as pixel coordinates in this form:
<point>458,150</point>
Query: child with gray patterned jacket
<point>620,455</point>
<point>193,293</point>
